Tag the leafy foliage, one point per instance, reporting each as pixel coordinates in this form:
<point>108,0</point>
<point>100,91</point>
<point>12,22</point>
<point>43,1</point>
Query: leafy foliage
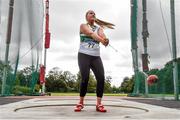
<point>127,85</point>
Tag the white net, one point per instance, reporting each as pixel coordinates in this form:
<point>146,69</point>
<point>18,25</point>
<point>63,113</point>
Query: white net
<point>25,48</point>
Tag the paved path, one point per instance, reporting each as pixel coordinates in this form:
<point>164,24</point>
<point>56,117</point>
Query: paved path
<point>58,108</point>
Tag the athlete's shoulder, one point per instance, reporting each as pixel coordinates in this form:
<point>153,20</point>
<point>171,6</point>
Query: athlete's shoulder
<point>83,24</point>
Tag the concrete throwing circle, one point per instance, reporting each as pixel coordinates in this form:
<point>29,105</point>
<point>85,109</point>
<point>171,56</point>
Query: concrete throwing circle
<point>89,111</point>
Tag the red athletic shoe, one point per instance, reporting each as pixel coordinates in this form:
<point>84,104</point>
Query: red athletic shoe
<point>79,107</point>
<point>100,108</point>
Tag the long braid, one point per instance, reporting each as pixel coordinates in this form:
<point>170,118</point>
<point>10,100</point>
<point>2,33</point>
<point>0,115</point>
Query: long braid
<point>104,24</point>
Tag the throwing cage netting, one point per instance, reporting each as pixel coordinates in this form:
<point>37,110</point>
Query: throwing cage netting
<point>21,43</point>
<point>155,35</point>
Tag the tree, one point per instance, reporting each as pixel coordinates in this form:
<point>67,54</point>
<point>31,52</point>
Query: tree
<point>60,81</point>
<point>91,84</point>
<point>107,84</point>
<point>25,76</point>
<point>77,81</point>
<point>127,85</point>
<point>70,80</point>
<point>115,89</point>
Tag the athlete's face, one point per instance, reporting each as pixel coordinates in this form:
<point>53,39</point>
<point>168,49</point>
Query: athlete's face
<point>90,16</point>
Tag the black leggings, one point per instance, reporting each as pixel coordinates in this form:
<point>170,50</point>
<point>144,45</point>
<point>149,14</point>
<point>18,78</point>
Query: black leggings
<point>87,62</point>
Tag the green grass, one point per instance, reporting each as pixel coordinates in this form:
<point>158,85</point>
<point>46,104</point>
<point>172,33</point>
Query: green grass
<point>88,94</point>
<point>160,95</point>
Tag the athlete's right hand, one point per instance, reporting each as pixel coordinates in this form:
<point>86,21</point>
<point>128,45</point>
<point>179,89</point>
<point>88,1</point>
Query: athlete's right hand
<point>106,42</point>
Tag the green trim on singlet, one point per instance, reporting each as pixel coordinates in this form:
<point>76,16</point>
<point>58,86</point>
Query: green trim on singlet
<point>84,38</point>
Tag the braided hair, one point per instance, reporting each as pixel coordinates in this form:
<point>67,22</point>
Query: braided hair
<point>102,23</point>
